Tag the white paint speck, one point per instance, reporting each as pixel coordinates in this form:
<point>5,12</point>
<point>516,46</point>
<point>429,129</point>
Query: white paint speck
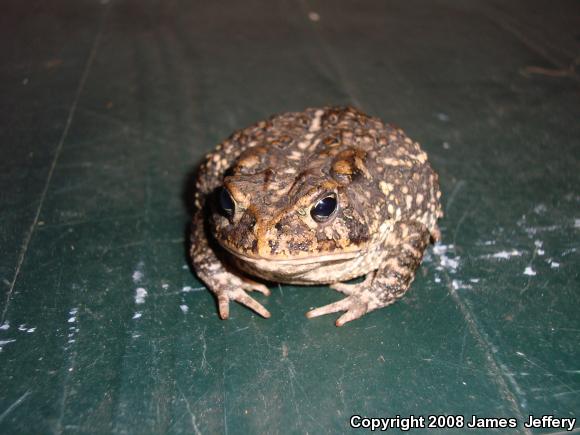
<point>188,289</point>
<point>440,248</point>
<point>446,145</point>
<point>449,263</point>
<point>185,267</point>
<point>31,330</point>
<point>445,261</point>
<point>457,284</point>
<point>313,16</point>
<point>443,117</point>
<point>140,295</point>
<point>72,329</point>
<point>489,242</point>
<point>529,271</point>
<point>554,264</point>
<point>540,208</point>
<point>137,315</point>
<point>437,279</point>
<point>184,308</point>
<point>540,252</point>
<point>23,327</point>
<point>576,223</point>
<point>474,280</point>
<point>538,243</point>
<point>137,276</point>
<point>504,255</point>
<point>4,343</point>
<point>5,326</point>
<point>532,231</point>
<point>164,286</point>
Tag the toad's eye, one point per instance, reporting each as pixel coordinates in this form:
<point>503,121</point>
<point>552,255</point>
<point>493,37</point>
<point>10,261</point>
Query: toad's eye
<point>226,203</point>
<point>324,208</point>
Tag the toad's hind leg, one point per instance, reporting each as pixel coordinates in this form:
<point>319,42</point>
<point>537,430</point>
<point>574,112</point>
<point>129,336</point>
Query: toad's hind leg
<point>404,251</point>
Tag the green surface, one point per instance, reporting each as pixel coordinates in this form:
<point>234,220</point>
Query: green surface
<point>106,107</point>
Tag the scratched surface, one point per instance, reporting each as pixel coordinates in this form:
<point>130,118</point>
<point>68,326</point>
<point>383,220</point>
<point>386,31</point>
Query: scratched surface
<point>105,108</point>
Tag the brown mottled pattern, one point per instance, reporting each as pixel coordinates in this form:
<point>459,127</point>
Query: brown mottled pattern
<point>277,170</point>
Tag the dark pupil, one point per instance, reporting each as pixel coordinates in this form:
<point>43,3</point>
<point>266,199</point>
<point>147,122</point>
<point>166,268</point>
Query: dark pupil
<point>323,208</point>
<point>226,202</point>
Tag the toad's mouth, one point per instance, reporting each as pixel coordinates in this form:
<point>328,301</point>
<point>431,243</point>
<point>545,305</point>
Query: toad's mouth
<point>294,261</point>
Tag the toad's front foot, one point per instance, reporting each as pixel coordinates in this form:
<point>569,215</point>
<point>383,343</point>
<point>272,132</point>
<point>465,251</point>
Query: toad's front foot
<point>236,291</point>
<point>353,305</point>
<point>359,301</point>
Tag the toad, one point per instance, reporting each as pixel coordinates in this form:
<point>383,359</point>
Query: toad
<point>315,197</point>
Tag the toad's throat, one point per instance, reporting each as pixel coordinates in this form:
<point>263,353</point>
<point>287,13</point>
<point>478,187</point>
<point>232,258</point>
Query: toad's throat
<point>293,261</point>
